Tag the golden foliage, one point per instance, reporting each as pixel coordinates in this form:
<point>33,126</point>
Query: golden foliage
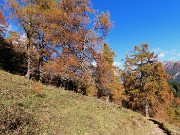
<point>145,81</point>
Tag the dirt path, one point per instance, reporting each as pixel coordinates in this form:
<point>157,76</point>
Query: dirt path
<point>158,128</point>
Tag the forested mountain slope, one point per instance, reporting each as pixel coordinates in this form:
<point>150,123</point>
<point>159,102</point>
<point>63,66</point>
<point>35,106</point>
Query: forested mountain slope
<point>27,107</point>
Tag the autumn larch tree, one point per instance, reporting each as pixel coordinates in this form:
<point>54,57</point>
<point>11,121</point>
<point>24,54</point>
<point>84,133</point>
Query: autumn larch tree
<point>63,24</point>
<point>145,81</point>
<point>58,32</point>
<point>31,16</point>
<point>24,12</point>
<point>108,80</point>
<point>76,43</point>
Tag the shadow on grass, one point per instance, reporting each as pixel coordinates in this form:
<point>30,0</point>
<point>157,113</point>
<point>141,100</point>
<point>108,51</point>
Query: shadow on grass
<point>41,95</point>
<point>161,126</point>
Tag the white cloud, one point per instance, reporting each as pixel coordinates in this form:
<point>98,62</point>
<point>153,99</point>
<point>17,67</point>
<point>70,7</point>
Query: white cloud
<point>23,37</point>
<point>161,55</point>
<point>94,63</point>
<point>118,64</point>
<point>156,50</point>
<point>173,50</point>
<point>165,55</point>
<point>172,59</point>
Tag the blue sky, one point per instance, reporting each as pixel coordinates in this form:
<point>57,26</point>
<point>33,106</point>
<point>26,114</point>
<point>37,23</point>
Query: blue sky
<point>156,22</point>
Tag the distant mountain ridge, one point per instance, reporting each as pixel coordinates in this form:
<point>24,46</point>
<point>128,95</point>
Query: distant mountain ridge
<point>173,69</point>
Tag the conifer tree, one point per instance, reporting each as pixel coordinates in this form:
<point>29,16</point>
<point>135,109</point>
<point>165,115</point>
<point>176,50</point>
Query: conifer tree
<point>145,81</point>
<point>108,80</point>
<point>69,32</point>
<point>25,13</point>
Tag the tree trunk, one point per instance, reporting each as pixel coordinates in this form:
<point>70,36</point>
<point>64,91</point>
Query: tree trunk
<point>146,108</point>
<point>40,73</point>
<point>107,99</point>
<point>40,69</point>
<point>29,63</point>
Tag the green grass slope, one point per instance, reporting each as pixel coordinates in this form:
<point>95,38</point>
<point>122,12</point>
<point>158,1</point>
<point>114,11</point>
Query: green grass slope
<point>58,112</point>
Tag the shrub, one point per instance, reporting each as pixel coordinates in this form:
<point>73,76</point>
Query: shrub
<point>37,88</point>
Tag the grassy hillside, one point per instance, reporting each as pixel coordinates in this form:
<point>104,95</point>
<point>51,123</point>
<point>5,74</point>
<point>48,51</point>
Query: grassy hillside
<point>27,107</point>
